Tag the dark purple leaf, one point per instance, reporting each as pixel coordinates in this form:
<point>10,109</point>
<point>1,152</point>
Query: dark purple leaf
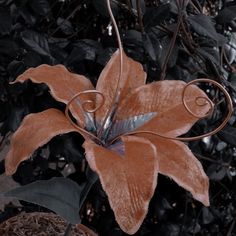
<point>194,227</point>
<point>149,47</point>
<point>101,7</point>
<point>216,172</point>
<point>207,216</point>
<point>170,229</point>
<point>65,26</point>
<point>5,21</point>
<point>68,146</point>
<point>84,50</point>
<point>156,15</point>
<point>16,116</point>
<point>8,48</point>
<point>27,15</point>
<point>15,68</point>
<point>40,7</point>
<point>36,42</point>
<point>228,135</point>
<point>5,2</point>
<point>142,5</point>
<point>227,14</point>
<point>133,38</point>
<point>203,25</point>
<point>210,53</point>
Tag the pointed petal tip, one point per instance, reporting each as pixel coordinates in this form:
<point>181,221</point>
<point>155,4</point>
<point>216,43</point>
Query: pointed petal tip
<point>35,130</point>
<point>13,82</point>
<point>131,231</point>
<point>122,181</point>
<point>203,195</point>
<point>203,198</point>
<point>174,156</point>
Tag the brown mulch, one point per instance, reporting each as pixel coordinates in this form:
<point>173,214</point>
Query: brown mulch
<point>40,224</point>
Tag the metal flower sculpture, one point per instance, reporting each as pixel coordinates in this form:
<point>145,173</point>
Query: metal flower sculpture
<point>130,129</point>
<point>126,134</point>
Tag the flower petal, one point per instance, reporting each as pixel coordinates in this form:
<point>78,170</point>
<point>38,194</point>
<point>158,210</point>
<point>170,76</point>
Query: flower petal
<point>164,98</point>
<point>129,179</point>
<point>35,130</point>
<point>62,83</point>
<point>133,76</point>
<point>177,162</point>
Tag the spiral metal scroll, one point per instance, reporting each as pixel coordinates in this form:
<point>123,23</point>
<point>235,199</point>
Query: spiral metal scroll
<point>206,101</point>
<point>200,101</point>
<point>85,110</point>
<point>228,101</point>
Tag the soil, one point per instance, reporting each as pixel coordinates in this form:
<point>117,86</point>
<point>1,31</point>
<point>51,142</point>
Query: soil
<point>40,224</point>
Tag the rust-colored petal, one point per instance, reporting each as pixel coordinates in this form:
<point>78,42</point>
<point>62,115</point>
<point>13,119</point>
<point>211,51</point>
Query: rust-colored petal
<point>62,83</point>
<point>178,162</point>
<point>128,179</point>
<point>36,130</point>
<point>133,76</point>
<point>164,98</point>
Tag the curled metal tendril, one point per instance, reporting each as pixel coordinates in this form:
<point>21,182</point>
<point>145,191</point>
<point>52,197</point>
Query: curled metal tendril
<point>209,102</point>
<point>200,101</point>
<point>85,109</point>
<point>117,91</point>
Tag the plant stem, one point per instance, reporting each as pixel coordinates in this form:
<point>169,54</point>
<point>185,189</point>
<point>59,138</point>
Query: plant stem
<point>172,45</point>
<point>140,16</point>
<point>211,160</point>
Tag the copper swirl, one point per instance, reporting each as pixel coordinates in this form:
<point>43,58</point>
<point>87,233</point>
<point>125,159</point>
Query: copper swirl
<point>200,101</point>
<point>207,101</point>
<point>85,110</point>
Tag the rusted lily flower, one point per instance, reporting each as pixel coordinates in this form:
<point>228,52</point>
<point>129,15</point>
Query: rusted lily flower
<point>119,127</point>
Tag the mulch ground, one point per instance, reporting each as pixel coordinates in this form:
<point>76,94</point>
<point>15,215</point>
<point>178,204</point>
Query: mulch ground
<point>40,224</point>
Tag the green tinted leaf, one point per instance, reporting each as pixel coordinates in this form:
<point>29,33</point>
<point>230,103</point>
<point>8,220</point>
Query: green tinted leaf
<point>61,195</point>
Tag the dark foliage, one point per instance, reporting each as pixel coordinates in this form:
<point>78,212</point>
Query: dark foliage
<point>171,44</point>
